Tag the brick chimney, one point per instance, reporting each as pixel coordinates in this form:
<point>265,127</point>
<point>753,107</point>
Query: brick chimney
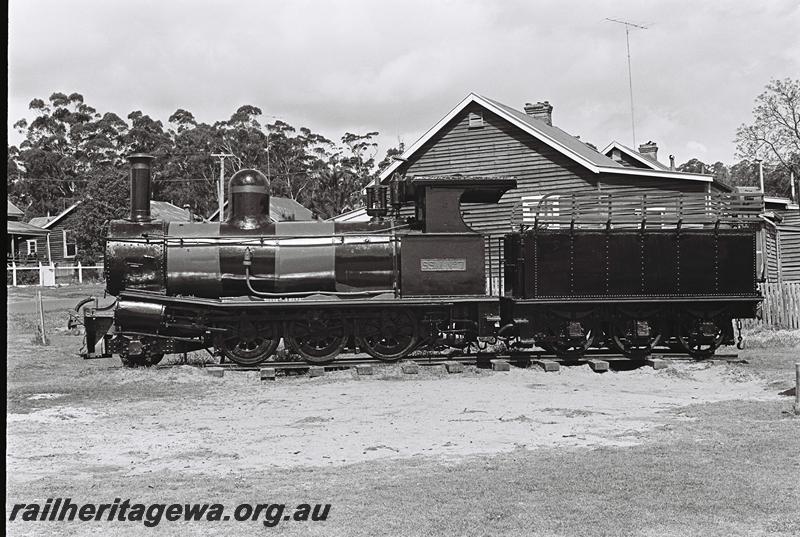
<point>543,111</point>
<point>649,150</point>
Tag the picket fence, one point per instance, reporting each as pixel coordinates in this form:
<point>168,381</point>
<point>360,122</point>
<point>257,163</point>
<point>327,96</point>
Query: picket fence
<point>46,275</point>
<point>781,306</point>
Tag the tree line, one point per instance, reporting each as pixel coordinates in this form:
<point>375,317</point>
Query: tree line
<point>72,152</point>
<point>772,137</point>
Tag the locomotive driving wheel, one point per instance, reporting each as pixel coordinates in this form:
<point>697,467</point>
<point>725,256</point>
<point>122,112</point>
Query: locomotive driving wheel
<point>247,344</point>
<point>700,337</point>
<point>389,336</point>
<point>319,338</point>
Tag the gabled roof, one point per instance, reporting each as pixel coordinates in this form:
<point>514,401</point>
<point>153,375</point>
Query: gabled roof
<point>13,211</point>
<point>280,210</point>
<point>783,204</point>
<point>358,214</point>
<point>16,227</point>
<point>47,222</point>
<point>168,212</point>
<point>554,137</point>
<point>638,157</point>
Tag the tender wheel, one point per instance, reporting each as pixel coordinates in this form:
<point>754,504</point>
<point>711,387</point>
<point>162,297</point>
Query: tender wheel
<point>247,344</point>
<point>390,336</point>
<point>569,341</point>
<point>319,338</point>
<point>635,338</point>
<point>700,337</point>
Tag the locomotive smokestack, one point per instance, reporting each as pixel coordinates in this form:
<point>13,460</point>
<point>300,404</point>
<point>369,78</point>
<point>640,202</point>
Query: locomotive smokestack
<point>141,165</point>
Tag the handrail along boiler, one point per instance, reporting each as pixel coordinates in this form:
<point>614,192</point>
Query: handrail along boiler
<point>631,273</point>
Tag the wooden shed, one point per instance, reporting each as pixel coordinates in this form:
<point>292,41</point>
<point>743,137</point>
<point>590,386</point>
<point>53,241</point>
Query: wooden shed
<point>60,243</point>
<point>782,240</point>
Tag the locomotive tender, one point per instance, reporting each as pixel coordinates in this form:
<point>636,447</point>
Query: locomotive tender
<point>630,274</point>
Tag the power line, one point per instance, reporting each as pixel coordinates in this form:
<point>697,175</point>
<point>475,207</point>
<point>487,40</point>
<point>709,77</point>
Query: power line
<point>628,26</point>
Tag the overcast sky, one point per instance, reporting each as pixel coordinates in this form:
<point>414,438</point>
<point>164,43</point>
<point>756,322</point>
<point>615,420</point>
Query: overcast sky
<point>398,67</point>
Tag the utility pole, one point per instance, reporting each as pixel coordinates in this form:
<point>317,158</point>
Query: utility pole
<point>221,189</point>
<point>760,174</point>
<point>628,26</point>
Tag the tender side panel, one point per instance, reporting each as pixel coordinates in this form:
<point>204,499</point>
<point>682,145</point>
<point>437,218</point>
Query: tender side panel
<point>624,264</point>
<point>697,263</point>
<point>551,262</point>
<point>590,263</point>
<point>737,262</point>
<point>660,263</point>
<point>631,263</point>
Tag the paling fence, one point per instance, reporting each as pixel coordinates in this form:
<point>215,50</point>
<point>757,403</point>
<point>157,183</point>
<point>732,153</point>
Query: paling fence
<point>781,306</point>
<point>47,275</point>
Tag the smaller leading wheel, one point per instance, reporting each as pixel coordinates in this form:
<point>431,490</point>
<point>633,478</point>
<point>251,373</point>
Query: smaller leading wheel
<point>700,337</point>
<point>389,336</point>
<point>139,353</point>
<point>247,344</point>
<point>319,338</point>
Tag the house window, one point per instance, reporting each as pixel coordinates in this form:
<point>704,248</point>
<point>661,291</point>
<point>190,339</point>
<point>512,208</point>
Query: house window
<point>70,247</point>
<point>31,244</point>
<point>476,120</point>
<point>548,211</point>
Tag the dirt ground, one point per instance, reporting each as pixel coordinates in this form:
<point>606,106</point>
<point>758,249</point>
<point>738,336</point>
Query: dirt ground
<point>431,454</point>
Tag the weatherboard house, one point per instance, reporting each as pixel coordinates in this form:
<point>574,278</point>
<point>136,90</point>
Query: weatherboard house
<point>22,238</point>
<point>58,244</point>
<point>481,136</point>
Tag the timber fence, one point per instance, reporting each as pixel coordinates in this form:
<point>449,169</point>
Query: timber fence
<point>50,275</point>
<point>781,306</point>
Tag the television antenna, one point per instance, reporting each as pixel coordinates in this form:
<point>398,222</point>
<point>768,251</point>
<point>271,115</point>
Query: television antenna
<point>628,26</point>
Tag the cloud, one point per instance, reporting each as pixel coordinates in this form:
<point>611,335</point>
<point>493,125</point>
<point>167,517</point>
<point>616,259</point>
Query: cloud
<point>696,148</point>
<point>399,66</point>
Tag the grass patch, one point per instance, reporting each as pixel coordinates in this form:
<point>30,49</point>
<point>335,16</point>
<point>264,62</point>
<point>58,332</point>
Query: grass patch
<point>768,338</point>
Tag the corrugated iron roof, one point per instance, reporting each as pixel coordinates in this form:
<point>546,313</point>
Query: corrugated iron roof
<point>13,210</point>
<point>652,164</point>
<point>556,138</point>
<point>16,227</point>
<point>564,138</point>
<point>166,211</point>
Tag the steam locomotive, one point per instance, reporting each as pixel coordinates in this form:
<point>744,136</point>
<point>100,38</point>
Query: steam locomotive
<point>579,272</point>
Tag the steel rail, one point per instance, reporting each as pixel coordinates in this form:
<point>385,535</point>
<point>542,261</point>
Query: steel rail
<point>516,358</point>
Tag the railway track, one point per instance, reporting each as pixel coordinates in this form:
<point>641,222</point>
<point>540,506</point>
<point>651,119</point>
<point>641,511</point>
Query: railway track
<point>598,360</point>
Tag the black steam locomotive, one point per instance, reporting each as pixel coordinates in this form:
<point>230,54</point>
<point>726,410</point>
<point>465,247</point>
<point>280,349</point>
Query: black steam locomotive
<point>629,273</point>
